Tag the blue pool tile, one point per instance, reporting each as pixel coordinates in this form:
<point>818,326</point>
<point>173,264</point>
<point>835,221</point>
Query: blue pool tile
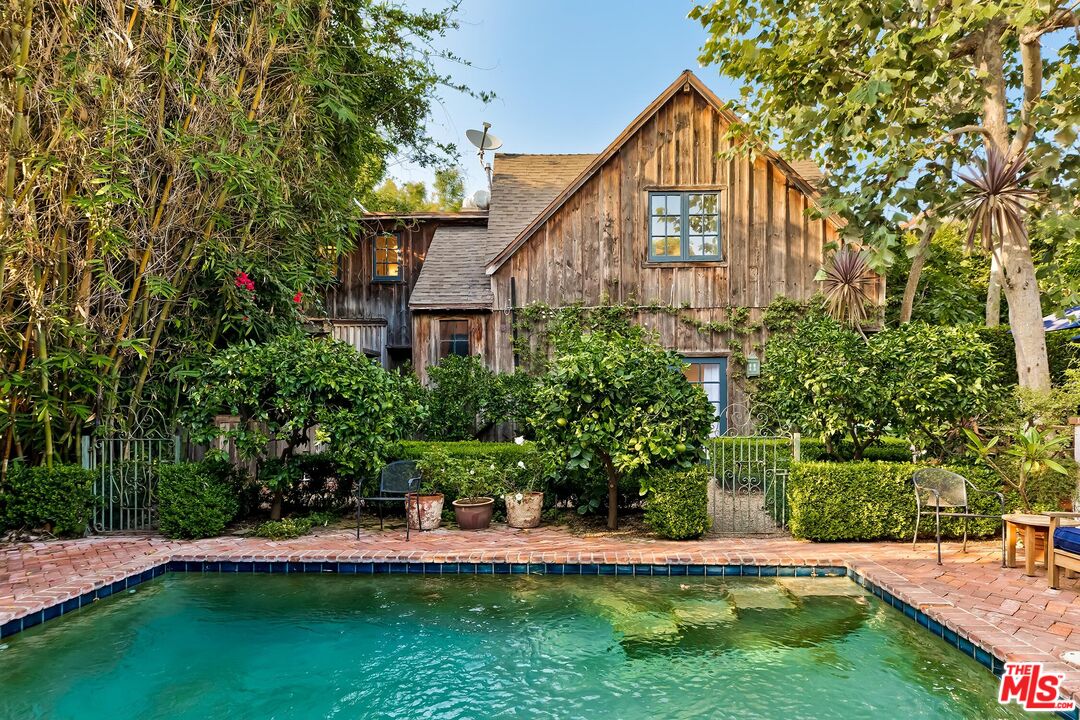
<point>950,636</point>
<point>467,568</point>
<point>751,571</point>
<point>785,571</point>
<point>70,605</point>
<point>908,610</point>
<point>536,568</point>
<point>715,570</point>
<point>590,569</point>
<point>260,567</point>
<point>502,568</point>
<point>607,569</point>
<point>29,621</point>
<point>103,592</point>
<point>624,569</point>
<point>920,617</point>
<point>216,567</point>
<point>934,626</point>
<point>553,568</point>
<point>661,570</point>
<point>433,569</point>
<point>998,667</point>
<point>804,571</point>
<point>484,568</point>
<point>449,568</point>
<point>519,568</point>
<point>399,567</point>
<point>10,628</point>
<point>768,571</point>
<point>365,568</point>
<point>414,568</point>
<point>966,646</point>
<point>695,569</point>
<point>119,586</point>
<point>228,567</point>
<point>346,568</point>
<point>571,569</point>
<point>733,570</point>
<point>51,612</point>
<point>677,570</point>
<point>984,658</point>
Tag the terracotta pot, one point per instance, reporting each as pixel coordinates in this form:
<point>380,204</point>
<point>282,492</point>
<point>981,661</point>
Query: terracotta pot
<point>524,513</point>
<point>474,513</point>
<point>430,516</point>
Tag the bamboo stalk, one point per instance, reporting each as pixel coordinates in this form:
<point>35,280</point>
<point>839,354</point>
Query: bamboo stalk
<point>18,132</point>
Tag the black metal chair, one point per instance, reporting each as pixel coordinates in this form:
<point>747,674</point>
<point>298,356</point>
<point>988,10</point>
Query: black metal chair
<point>396,481</point>
<point>935,489</point>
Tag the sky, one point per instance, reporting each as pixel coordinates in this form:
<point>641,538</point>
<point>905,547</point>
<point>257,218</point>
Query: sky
<point>569,75</point>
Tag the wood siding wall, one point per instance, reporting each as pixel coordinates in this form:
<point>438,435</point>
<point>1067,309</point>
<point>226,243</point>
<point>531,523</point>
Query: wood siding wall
<point>594,249</point>
<point>426,337</point>
<point>356,297</point>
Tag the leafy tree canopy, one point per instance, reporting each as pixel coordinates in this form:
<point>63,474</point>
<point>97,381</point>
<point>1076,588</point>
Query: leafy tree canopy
<point>413,197</point>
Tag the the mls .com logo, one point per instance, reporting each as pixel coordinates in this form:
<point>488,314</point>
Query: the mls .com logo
<point>1033,689</point>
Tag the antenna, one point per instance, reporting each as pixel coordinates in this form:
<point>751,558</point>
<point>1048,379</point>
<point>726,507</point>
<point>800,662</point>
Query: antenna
<point>484,141</point>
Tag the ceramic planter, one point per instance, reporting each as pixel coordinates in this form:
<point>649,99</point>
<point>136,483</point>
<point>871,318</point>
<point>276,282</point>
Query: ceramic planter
<point>524,512</point>
<point>473,513</point>
<point>430,511</point>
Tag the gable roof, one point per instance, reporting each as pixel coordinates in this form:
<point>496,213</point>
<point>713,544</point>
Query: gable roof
<point>685,79</point>
<point>453,274</point>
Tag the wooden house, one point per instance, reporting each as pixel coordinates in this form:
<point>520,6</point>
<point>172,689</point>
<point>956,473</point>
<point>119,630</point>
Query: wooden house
<point>661,219</point>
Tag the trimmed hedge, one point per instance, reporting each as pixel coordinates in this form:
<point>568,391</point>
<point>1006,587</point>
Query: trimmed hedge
<point>874,501</point>
<point>500,453</point>
<point>194,500</point>
<point>60,496</point>
<point>455,480</point>
<point>1061,352</point>
<point>677,505</point>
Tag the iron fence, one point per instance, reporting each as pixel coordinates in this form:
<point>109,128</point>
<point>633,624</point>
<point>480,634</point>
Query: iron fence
<point>125,483</point>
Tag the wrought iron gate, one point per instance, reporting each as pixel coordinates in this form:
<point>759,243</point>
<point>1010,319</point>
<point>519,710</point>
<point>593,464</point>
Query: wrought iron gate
<point>749,467</point>
<point>125,483</point>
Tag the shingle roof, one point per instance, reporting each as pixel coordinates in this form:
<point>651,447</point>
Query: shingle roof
<point>453,275</point>
<point>808,171</point>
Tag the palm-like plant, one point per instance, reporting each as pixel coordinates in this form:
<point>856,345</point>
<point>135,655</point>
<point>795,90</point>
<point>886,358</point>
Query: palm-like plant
<point>995,199</point>
<point>847,281</point>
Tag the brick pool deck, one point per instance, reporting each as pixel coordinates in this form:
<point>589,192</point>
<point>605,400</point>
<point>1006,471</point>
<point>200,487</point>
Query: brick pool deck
<point>1001,610</point>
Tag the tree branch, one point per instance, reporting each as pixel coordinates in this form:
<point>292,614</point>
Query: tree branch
<point>963,130</point>
<point>1032,66</point>
<point>1057,20</point>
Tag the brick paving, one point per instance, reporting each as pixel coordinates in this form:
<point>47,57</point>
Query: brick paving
<point>1001,610</point>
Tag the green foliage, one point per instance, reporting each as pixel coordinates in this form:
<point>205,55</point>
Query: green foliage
<point>284,529</point>
<point>412,197</point>
<point>60,496</point>
<point>1029,453</point>
<point>874,501</point>
<point>283,388</point>
<point>614,398</point>
<point>160,161</point>
<point>466,398</point>
<point>918,381</point>
<point>194,500</point>
<point>677,504</point>
<point>473,469</point>
<point>952,285</point>
<point>1061,350</point>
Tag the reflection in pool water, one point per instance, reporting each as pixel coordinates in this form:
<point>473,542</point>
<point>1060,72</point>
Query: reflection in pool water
<point>303,646</point>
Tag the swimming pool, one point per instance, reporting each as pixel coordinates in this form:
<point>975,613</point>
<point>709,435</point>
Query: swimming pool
<point>402,646</point>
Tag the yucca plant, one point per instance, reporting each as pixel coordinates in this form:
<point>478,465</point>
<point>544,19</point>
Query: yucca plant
<point>995,199</point>
<point>847,281</point>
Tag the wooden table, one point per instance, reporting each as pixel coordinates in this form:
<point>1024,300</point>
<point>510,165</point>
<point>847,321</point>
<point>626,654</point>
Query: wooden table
<point>1032,528</point>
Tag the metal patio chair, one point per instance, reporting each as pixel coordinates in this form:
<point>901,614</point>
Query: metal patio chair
<point>396,481</point>
<point>937,489</point>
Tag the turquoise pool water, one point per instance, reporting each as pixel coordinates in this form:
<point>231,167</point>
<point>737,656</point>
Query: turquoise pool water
<point>303,646</point>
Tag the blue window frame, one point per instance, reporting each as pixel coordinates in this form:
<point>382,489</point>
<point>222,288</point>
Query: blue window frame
<point>386,257</point>
<point>710,374</point>
<point>684,226</point>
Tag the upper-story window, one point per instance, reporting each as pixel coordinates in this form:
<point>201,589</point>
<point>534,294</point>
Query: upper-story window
<point>386,257</point>
<point>684,226</point>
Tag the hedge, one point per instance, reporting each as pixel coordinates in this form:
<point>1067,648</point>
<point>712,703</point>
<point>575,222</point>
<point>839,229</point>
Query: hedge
<point>874,501</point>
<point>194,500</point>
<point>59,498</point>
<point>677,504</point>
<point>1061,352</point>
<point>500,453</point>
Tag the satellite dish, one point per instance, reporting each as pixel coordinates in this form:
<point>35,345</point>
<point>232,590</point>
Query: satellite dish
<point>482,139</point>
<point>482,199</point>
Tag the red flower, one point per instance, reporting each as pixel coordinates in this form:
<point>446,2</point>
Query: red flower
<point>298,297</point>
<point>243,281</point>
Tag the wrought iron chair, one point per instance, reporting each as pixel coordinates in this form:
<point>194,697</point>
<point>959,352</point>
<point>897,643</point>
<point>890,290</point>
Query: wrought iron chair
<point>396,481</point>
<point>936,489</point>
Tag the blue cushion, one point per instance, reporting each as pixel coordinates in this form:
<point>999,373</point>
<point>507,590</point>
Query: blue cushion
<point>1067,539</point>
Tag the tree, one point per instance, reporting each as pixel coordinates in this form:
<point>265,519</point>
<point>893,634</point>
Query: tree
<point>949,289</point>
<point>282,389</point>
<point>152,153</point>
<point>412,197</point>
<point>889,96</point>
<point>449,189</point>
<point>613,397</point>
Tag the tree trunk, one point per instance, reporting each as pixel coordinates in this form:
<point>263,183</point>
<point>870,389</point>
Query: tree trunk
<point>993,293</point>
<point>613,494</point>
<point>275,507</point>
<point>914,274</point>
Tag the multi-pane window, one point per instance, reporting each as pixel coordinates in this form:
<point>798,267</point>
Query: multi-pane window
<point>684,226</point>
<point>453,338</point>
<point>710,374</point>
<point>386,260</point>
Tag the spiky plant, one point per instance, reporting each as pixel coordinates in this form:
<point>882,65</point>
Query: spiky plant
<point>995,199</point>
<point>847,281</point>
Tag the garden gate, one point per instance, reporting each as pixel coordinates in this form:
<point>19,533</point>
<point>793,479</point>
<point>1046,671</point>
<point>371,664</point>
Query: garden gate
<point>125,479</point>
<point>749,466</point>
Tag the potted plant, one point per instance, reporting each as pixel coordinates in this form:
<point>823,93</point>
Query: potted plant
<point>473,509</point>
<point>424,510</point>
<point>523,502</point>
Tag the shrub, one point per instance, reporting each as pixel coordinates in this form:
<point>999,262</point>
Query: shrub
<point>466,398</point>
<point>1062,352</point>
<point>677,504</point>
<point>283,529</point>
<point>59,498</point>
<point>319,486</point>
<point>471,469</point>
<point>874,501</point>
<point>194,500</point>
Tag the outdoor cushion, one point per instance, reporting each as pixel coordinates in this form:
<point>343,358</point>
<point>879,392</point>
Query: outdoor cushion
<point>1067,539</point>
